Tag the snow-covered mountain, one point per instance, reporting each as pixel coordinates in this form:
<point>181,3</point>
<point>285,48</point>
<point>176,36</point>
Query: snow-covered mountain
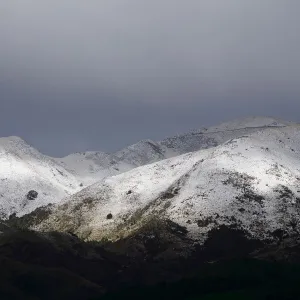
<point>92,166</point>
<point>148,151</point>
<point>213,136</point>
<point>251,182</point>
<point>24,169</point>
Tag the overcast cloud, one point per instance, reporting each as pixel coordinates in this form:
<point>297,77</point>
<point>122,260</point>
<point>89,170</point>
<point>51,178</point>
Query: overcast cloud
<point>99,75</point>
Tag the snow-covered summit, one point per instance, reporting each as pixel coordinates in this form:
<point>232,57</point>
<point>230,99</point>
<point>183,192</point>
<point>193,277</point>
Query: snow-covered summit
<point>216,135</point>
<point>250,122</point>
<point>141,153</point>
<point>17,145</point>
<point>24,169</point>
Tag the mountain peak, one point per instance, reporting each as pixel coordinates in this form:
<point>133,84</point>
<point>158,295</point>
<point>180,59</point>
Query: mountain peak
<point>11,139</point>
<point>250,122</point>
<point>17,146</point>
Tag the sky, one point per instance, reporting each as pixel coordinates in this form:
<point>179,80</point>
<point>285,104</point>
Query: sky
<point>102,74</point>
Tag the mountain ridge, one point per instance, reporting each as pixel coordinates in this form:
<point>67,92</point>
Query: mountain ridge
<point>250,182</point>
<point>80,170</point>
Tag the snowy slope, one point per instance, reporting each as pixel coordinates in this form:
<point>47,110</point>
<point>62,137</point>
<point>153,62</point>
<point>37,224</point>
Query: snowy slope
<point>213,136</point>
<point>22,168</point>
<point>142,153</point>
<point>90,167</point>
<point>147,151</point>
<point>252,182</point>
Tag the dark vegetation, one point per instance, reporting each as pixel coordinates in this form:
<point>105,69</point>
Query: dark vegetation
<point>157,262</point>
<point>28,220</point>
<point>206,221</point>
<point>54,266</point>
<point>169,194</point>
<point>243,183</point>
<point>109,216</point>
<point>246,279</point>
<point>32,195</point>
<point>284,192</point>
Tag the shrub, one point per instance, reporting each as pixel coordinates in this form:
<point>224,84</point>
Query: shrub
<point>32,195</point>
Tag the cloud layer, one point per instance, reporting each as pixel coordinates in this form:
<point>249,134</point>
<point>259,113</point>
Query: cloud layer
<point>103,74</point>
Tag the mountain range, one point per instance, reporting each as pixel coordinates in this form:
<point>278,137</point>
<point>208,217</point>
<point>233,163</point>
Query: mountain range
<point>24,169</point>
<point>154,212</point>
<point>251,181</point>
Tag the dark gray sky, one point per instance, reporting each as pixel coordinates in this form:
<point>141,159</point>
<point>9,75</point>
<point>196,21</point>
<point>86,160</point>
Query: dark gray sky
<point>102,74</point>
